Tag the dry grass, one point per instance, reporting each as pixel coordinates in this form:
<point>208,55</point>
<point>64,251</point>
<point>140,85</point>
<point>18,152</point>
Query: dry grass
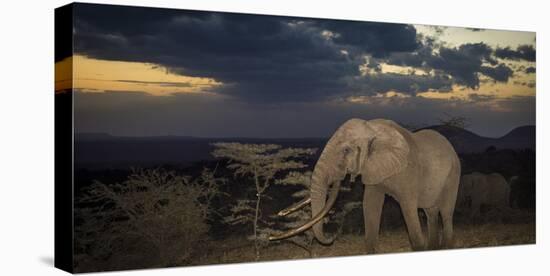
<point>514,227</point>
<point>467,236</point>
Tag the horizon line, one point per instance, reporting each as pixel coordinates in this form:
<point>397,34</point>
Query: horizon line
<point>248,137</point>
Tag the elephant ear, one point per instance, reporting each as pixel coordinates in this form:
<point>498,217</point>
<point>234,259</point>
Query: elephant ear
<point>387,153</point>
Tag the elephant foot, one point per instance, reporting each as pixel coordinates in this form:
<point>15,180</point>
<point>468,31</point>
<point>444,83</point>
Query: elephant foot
<point>371,247</point>
<point>448,244</point>
<point>433,246</point>
<point>419,246</point>
<point>370,251</point>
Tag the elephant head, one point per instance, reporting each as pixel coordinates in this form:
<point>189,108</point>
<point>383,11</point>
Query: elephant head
<point>375,149</point>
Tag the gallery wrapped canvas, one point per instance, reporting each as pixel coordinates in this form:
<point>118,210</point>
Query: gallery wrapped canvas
<point>188,138</point>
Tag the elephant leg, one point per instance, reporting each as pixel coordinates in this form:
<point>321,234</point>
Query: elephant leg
<point>447,204</point>
<point>447,209</point>
<point>433,227</point>
<point>410,213</point>
<point>475,210</point>
<point>447,220</point>
<point>373,201</point>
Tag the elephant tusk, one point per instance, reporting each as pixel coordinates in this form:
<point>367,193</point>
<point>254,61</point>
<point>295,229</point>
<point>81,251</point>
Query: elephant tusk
<point>302,228</point>
<point>315,219</point>
<point>294,207</point>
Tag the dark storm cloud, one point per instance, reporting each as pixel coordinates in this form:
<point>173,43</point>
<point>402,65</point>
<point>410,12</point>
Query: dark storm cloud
<point>256,56</point>
<point>408,59</point>
<point>280,59</point>
<point>378,39</point>
<point>259,58</point>
<point>522,52</point>
<point>464,63</point>
<point>499,73</point>
<point>530,70</point>
<point>417,59</point>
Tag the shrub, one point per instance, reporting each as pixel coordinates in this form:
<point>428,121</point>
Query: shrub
<point>154,218</point>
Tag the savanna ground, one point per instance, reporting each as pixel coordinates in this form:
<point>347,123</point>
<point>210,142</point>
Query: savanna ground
<point>485,231</point>
<point>488,230</point>
<point>493,227</point>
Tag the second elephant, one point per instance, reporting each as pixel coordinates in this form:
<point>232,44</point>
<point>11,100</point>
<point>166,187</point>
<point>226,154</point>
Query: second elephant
<point>477,189</point>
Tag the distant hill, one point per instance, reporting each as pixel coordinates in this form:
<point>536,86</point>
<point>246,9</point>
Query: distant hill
<point>465,141</point>
<point>100,150</point>
<point>97,150</point>
<point>93,136</point>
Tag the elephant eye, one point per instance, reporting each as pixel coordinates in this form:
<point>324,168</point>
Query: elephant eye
<point>347,150</point>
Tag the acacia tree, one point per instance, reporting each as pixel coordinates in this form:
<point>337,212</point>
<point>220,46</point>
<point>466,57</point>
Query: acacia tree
<point>302,180</point>
<point>154,216</point>
<point>455,121</point>
<point>261,162</point>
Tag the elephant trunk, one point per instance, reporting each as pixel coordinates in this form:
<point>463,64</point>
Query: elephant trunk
<point>322,177</point>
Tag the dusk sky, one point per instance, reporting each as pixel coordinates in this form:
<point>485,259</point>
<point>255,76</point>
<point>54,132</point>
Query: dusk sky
<point>148,72</point>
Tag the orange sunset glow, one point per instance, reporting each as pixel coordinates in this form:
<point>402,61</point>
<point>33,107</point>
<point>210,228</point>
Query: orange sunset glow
<point>96,76</point>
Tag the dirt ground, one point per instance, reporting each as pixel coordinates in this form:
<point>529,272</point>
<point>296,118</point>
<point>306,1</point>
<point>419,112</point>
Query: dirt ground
<point>391,241</point>
<point>514,227</point>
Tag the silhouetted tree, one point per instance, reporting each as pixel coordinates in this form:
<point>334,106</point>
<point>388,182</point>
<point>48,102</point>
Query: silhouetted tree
<point>454,121</point>
<point>261,162</point>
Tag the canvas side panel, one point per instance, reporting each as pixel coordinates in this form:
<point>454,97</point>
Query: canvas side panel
<point>64,231</point>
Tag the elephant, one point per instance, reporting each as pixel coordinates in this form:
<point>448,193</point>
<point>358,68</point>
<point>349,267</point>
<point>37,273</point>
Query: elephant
<point>420,170</point>
<point>478,189</point>
<point>514,183</point>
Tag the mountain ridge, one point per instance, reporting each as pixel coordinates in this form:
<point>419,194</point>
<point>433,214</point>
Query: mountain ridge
<point>447,131</point>
<point>465,141</point>
<point>105,150</point>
